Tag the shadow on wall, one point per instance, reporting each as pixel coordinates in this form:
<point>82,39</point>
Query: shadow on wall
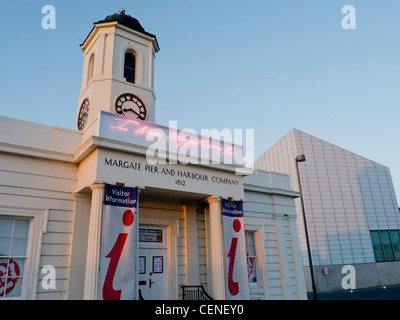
<point>342,248</point>
<point>366,202</point>
<point>377,206</point>
<point>378,197</point>
<point>330,278</point>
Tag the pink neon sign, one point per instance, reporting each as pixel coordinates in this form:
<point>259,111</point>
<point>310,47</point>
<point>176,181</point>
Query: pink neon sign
<point>170,139</point>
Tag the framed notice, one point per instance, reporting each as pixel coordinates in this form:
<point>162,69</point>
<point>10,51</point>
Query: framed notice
<point>158,264</point>
<point>150,235</point>
<point>142,265</point>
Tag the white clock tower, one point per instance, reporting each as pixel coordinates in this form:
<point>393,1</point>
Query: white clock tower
<point>118,70</point>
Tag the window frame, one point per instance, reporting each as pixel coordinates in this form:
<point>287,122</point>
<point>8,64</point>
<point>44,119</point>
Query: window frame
<point>395,252</point>
<point>38,226</point>
<point>261,290</point>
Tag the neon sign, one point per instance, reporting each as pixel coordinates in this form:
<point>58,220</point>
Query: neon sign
<point>184,145</point>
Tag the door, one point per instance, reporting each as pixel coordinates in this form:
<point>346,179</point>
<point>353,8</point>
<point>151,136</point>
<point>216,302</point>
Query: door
<point>153,264</point>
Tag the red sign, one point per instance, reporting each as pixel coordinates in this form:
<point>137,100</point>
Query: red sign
<point>9,273</point>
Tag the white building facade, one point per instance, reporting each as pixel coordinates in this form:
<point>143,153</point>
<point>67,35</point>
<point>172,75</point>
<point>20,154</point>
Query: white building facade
<point>351,210</point>
<point>53,181</point>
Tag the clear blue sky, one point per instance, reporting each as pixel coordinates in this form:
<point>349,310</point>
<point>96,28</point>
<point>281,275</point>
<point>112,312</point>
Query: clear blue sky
<point>267,65</point>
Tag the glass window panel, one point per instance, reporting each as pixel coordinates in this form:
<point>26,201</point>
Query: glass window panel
<point>377,246</point>
<point>11,272</point>
<point>129,67</point>
<point>250,244</point>
<point>5,244</point>
<point>129,60</point>
<point>2,286</point>
<point>3,276</point>
<point>251,250</point>
<point>16,267</point>
<point>252,269</point>
<point>3,267</point>
<point>6,226</point>
<point>21,228</point>
<point>14,287</point>
<point>249,237</point>
<point>396,243</point>
<point>129,74</point>
<point>18,247</point>
<point>387,246</point>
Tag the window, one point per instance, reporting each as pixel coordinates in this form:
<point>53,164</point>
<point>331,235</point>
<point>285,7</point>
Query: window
<point>252,259</point>
<point>129,67</point>
<point>21,232</point>
<point>377,246</point>
<point>14,235</point>
<point>91,68</point>
<point>394,234</point>
<point>386,245</point>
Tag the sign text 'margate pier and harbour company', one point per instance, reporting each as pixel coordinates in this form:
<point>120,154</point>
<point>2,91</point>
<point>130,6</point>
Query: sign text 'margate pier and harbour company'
<point>181,174</point>
<point>133,170</point>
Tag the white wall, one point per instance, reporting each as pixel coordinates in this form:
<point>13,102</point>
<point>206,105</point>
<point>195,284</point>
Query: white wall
<point>270,211</point>
<point>33,183</point>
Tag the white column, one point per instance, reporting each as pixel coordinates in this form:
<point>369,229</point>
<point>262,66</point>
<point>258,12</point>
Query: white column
<point>79,246</point>
<point>217,250</point>
<point>192,246</point>
<point>93,249</point>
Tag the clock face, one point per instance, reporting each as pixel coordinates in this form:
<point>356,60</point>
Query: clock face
<point>83,114</point>
<point>131,106</point>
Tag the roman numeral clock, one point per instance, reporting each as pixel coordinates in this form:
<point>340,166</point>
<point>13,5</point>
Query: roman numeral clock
<point>83,114</point>
<point>131,106</point>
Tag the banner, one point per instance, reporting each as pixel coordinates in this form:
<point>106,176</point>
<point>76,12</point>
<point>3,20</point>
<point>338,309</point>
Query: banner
<point>118,246</point>
<point>237,285</point>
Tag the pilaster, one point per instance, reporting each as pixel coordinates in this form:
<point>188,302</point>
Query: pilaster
<point>217,261</point>
<point>93,249</point>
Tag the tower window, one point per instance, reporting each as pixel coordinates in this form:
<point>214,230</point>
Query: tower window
<point>91,68</point>
<point>129,67</point>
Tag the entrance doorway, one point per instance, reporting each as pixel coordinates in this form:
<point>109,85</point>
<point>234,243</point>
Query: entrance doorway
<point>153,264</point>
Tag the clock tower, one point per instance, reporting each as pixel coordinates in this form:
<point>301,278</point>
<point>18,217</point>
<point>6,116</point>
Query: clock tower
<point>118,70</point>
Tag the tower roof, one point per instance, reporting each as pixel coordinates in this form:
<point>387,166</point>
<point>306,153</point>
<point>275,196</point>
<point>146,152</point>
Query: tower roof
<point>126,20</point>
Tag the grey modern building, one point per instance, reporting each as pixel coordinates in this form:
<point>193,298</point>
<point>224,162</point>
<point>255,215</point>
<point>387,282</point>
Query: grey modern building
<point>351,211</point>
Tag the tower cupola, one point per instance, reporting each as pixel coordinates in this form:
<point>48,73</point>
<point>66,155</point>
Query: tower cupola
<point>118,70</point>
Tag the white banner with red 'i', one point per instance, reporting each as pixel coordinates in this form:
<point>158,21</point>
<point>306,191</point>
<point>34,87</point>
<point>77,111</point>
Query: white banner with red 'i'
<point>118,246</point>
<point>237,285</point>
